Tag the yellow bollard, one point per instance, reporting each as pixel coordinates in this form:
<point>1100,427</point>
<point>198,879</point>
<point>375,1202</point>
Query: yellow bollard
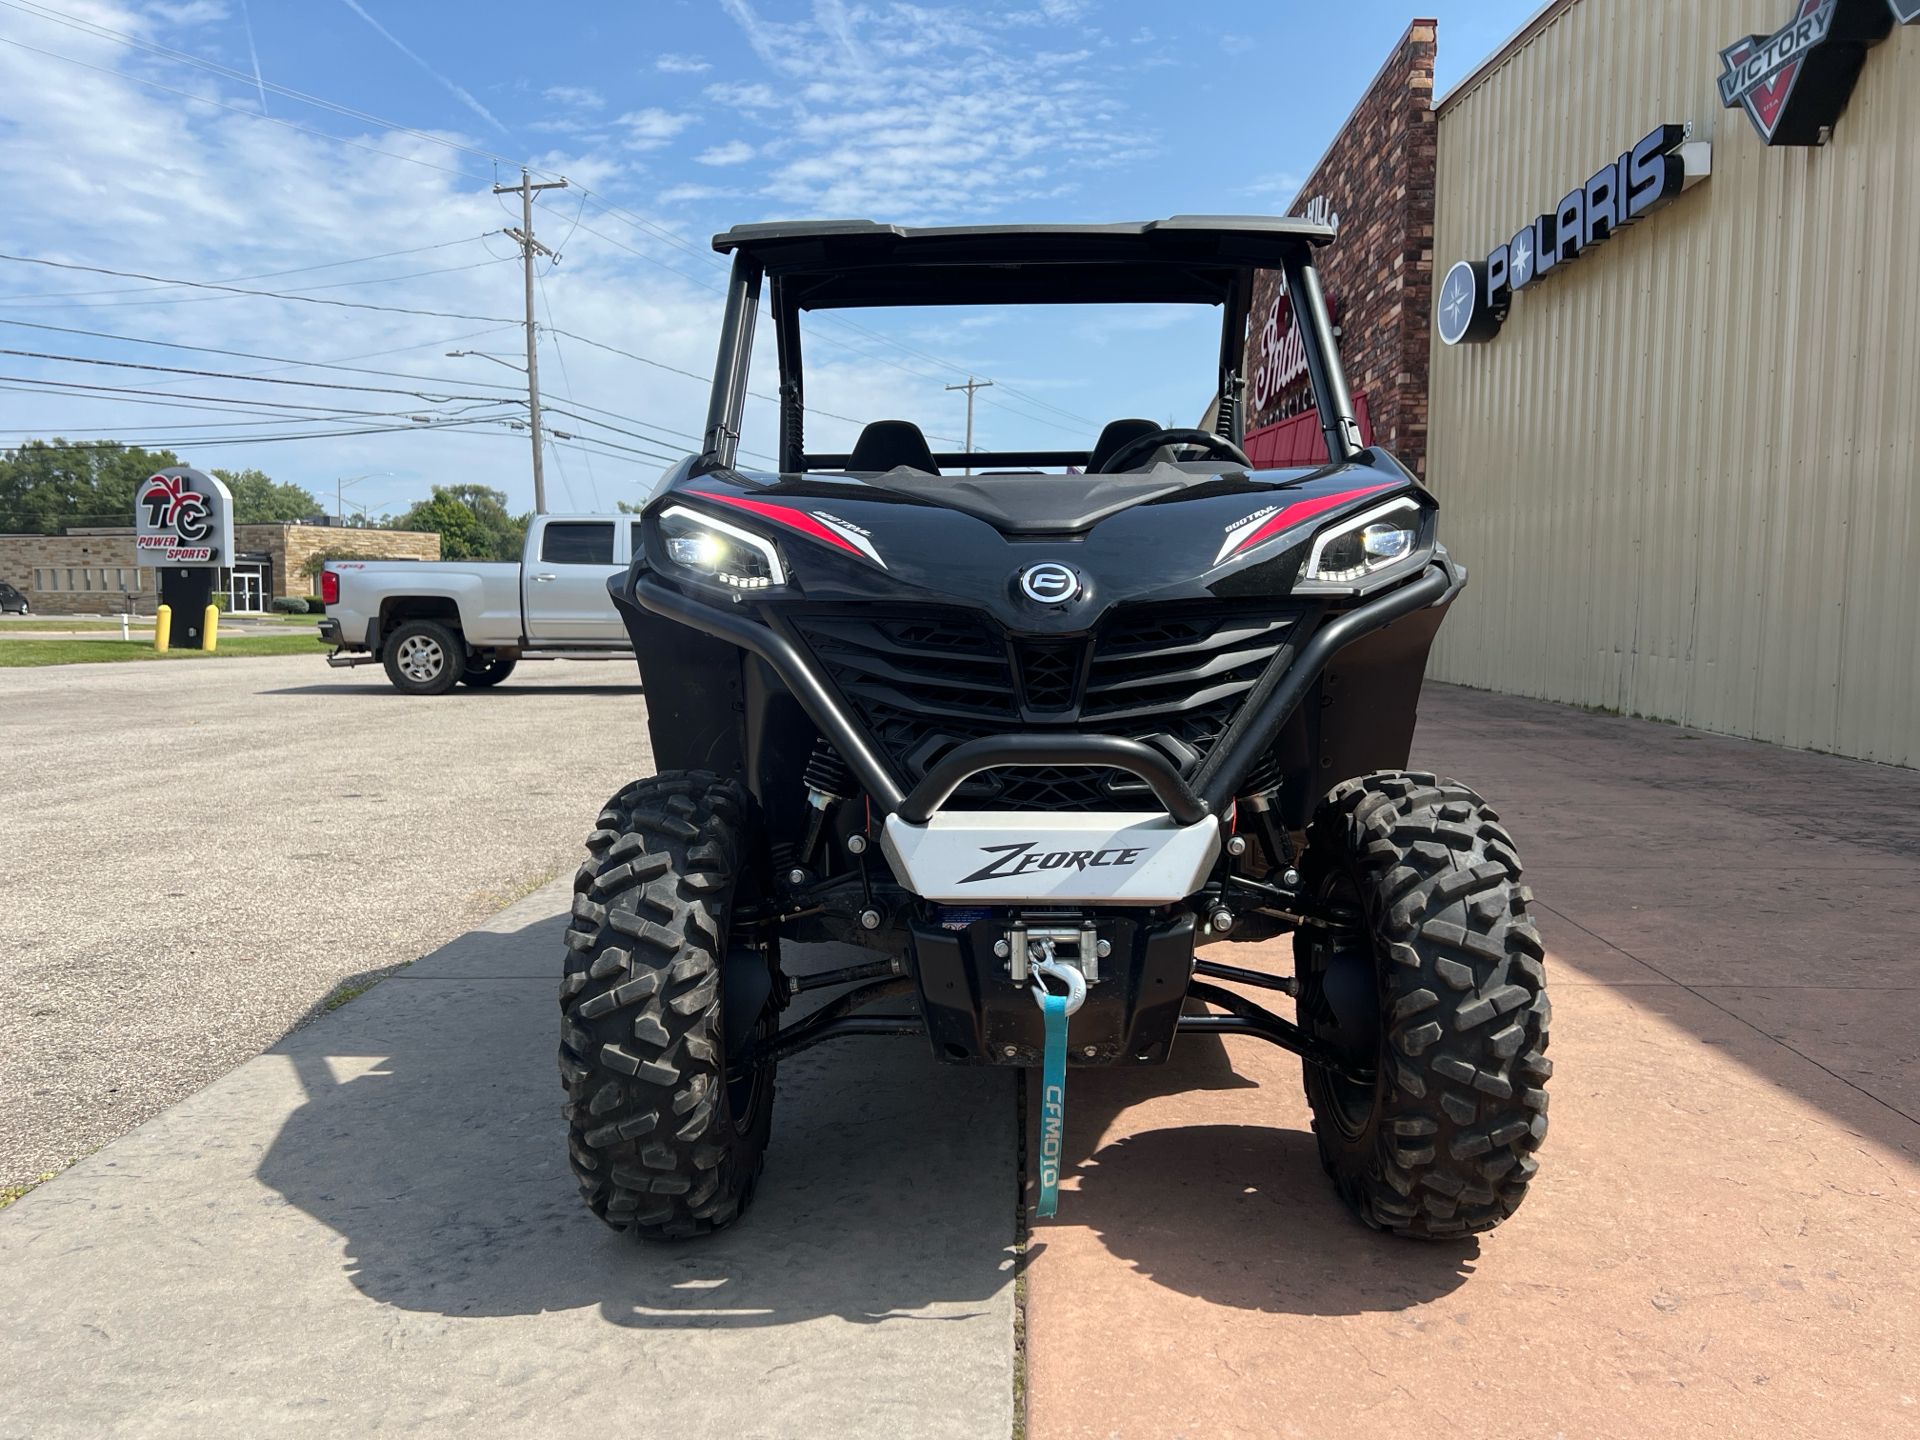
<point>162,628</point>
<point>210,638</point>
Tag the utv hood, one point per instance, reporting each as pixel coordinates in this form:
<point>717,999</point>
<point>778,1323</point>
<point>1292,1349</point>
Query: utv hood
<point>1173,533</point>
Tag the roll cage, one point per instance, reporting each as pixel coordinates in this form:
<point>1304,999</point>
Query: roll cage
<point>851,264</point>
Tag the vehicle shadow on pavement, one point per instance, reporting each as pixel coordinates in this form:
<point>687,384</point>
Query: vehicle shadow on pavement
<point>431,1141</point>
<point>1237,1214</point>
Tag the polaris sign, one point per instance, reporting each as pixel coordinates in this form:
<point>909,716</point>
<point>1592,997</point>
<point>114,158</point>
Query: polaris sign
<point>1475,297</point>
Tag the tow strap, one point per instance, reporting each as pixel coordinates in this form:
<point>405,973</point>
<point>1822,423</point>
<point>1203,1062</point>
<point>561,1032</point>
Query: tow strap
<point>1053,1074</point>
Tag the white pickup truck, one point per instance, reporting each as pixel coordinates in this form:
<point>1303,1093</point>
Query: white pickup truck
<point>439,623</point>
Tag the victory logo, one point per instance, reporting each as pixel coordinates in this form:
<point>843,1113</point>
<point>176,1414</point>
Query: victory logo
<point>1794,83</point>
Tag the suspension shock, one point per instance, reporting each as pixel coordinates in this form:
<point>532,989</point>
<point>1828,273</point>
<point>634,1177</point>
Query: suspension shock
<point>828,782</point>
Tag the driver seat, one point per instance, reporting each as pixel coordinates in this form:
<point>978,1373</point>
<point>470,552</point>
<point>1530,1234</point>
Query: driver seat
<point>1117,434</point>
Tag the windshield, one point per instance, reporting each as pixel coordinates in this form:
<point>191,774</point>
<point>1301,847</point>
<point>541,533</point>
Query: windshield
<point>1043,377</point>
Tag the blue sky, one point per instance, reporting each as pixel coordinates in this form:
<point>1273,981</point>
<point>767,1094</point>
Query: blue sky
<point>675,120</point>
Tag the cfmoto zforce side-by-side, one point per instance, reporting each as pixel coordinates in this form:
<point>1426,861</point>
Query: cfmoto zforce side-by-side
<point>1018,733</point>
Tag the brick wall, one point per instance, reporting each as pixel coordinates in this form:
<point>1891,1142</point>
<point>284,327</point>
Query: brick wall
<point>1378,177</point>
<point>91,574</point>
<point>94,573</point>
<point>291,546</point>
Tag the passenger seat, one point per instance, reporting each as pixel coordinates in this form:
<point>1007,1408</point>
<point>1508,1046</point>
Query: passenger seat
<point>889,444</point>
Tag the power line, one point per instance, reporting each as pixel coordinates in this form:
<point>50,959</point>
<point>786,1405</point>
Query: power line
<point>249,379</point>
<point>320,365</point>
<point>261,294</point>
<point>275,274</point>
<point>62,302</point>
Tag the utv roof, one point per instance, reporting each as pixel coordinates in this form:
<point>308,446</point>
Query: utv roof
<point>1193,259</point>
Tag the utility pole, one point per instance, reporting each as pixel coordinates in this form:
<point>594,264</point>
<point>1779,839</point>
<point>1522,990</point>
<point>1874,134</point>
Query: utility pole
<point>528,248</point>
<point>971,386</point>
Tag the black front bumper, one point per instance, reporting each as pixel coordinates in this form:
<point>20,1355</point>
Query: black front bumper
<point>976,1014</point>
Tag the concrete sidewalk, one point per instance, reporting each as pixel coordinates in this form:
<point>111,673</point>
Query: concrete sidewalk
<point>1723,1237</point>
<point>372,1227</point>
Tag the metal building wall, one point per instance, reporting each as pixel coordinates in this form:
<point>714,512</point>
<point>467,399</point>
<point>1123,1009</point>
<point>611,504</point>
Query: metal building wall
<point>1685,474</point>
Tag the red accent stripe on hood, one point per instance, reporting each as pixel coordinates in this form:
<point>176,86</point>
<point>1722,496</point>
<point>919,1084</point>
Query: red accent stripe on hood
<point>1295,513</point>
<point>798,519</point>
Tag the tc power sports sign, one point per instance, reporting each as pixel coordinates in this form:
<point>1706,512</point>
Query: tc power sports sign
<point>182,517</point>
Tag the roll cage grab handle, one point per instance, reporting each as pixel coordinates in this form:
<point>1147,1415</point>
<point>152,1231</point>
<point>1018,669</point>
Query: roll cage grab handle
<point>720,441</point>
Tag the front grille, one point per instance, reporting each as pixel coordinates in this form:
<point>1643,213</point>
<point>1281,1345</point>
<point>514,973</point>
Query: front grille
<point>1050,672</point>
<point>923,682</point>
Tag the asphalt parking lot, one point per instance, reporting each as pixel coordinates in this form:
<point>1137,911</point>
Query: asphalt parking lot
<point>199,855</point>
<point>370,1226</point>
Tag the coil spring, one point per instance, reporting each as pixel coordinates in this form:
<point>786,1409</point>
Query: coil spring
<point>1265,776</point>
<point>827,772</point>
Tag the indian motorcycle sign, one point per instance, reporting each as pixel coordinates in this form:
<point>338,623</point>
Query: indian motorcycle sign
<point>1795,83</point>
<point>182,517</point>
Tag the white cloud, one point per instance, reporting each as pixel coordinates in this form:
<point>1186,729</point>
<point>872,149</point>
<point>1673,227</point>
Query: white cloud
<point>130,178</point>
<point>681,65</point>
<point>743,96</point>
<point>576,96</point>
<point>734,152</point>
<point>195,12</point>
<point>651,128</point>
<point>926,113</point>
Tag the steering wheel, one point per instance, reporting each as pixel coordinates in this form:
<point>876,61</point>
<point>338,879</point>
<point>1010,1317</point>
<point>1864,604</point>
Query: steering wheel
<point>1135,450</point>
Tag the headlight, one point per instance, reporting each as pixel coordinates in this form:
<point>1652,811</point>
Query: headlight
<point>1364,544</point>
<point>736,558</point>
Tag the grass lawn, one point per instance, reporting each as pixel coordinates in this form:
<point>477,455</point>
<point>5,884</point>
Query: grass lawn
<point>82,652</point>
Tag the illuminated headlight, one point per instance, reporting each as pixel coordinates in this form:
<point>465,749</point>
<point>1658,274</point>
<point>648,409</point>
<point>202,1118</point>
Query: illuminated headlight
<point>736,558</point>
<point>1364,544</point>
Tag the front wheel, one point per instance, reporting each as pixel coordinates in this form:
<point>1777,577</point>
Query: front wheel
<point>424,657</point>
<point>662,1142</point>
<point>1438,987</point>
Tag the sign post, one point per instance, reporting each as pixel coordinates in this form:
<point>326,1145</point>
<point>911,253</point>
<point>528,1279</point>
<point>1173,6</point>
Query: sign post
<point>183,528</point>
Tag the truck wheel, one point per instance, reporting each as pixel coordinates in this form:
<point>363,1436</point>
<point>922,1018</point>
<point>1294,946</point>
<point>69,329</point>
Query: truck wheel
<point>660,1142</point>
<point>424,657</point>
<point>488,669</point>
<point>1439,988</point>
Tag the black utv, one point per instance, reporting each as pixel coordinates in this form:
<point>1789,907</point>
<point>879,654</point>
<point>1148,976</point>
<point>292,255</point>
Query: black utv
<point>1040,731</point>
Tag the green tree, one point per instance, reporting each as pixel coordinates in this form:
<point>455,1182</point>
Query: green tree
<point>47,485</point>
<point>257,500</point>
<point>471,520</point>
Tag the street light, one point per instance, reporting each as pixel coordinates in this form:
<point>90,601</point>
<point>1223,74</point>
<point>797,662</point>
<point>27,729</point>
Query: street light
<point>339,490</point>
<point>481,354</point>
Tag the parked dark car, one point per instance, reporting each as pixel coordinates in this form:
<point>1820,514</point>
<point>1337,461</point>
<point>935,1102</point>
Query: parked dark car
<point>12,602</point>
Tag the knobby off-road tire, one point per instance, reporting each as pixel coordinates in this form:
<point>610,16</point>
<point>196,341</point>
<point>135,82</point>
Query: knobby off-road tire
<point>424,657</point>
<point>1442,1143</point>
<point>660,1143</point>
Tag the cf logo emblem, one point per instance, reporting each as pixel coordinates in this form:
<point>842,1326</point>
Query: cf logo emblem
<point>1050,583</point>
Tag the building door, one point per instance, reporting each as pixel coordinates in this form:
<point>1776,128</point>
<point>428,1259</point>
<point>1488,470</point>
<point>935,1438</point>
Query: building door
<point>247,593</point>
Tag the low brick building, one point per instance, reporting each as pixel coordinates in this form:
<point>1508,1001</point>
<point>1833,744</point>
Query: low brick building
<point>1376,185</point>
<point>92,571</point>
